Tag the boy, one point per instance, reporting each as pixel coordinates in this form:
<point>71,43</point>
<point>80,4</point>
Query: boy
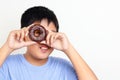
<point>35,63</point>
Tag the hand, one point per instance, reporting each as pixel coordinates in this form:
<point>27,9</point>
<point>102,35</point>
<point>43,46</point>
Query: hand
<point>58,41</point>
<point>16,39</point>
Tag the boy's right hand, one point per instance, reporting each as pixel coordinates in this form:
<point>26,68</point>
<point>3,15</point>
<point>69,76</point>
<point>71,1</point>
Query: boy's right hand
<point>16,39</point>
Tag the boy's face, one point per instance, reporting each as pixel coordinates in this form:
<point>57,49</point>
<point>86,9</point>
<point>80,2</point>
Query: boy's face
<point>41,50</point>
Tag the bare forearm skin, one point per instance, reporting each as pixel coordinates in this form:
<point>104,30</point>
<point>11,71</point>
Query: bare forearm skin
<point>4,52</point>
<point>82,69</point>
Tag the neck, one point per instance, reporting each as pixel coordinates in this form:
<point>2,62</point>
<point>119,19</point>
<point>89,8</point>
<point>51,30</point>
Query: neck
<point>35,61</point>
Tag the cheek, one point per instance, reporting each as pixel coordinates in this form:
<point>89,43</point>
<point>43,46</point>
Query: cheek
<point>32,48</point>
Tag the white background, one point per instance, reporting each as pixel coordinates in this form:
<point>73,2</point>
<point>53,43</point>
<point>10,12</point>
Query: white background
<point>93,27</point>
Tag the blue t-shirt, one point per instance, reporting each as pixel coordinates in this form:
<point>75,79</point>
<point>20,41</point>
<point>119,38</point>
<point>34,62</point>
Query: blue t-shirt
<point>16,67</point>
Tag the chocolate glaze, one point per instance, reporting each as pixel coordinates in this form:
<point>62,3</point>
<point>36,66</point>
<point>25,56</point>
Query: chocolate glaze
<point>37,33</point>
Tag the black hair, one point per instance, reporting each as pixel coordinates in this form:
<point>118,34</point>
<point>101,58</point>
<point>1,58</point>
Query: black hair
<point>37,13</point>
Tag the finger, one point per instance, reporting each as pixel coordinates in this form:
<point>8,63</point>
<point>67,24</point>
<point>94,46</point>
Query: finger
<point>25,31</point>
<point>28,43</point>
<point>22,34</point>
<point>48,38</point>
<point>58,36</point>
<point>29,26</point>
<point>52,39</point>
<point>17,35</point>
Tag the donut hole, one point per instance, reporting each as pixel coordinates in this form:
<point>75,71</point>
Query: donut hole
<point>37,33</point>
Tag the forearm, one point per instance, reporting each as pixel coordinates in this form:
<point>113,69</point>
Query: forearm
<point>82,69</point>
<point>4,52</point>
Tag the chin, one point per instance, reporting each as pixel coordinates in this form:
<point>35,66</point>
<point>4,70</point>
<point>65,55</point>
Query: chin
<point>40,53</point>
<point>41,57</point>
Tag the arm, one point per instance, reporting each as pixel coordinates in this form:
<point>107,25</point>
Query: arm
<point>4,52</point>
<point>82,69</point>
<point>60,42</point>
<point>15,40</point>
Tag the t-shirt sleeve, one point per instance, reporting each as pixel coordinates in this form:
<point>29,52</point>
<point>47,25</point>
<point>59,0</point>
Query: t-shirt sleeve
<point>3,72</point>
<point>69,72</point>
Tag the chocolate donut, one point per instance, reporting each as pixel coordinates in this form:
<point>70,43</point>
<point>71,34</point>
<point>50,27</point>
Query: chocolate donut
<point>37,33</point>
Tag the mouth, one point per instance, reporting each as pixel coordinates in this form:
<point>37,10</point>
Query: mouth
<point>44,48</point>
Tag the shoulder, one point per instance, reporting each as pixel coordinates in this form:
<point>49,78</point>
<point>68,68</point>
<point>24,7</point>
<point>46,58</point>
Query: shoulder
<point>61,62</point>
<point>10,62</point>
<point>66,67</point>
<point>13,59</point>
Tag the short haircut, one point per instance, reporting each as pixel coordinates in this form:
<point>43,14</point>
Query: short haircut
<point>37,13</point>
